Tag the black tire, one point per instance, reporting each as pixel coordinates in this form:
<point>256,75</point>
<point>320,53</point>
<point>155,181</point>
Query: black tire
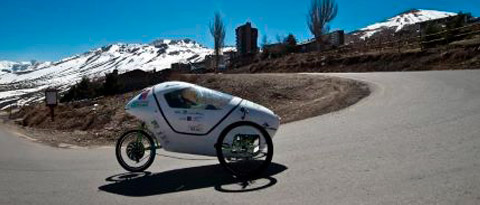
<point>252,173</point>
<point>118,151</point>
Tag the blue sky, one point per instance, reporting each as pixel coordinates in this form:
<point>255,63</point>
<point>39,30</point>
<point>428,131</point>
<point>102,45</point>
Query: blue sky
<point>54,29</point>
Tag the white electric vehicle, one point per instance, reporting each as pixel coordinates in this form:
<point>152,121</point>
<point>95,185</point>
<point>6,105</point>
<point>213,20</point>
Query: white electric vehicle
<point>187,118</point>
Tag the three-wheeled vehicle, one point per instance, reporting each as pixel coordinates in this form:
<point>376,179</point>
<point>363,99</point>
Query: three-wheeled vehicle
<point>187,118</point>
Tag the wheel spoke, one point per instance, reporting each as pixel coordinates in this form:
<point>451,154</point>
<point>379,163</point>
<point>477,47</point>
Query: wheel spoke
<point>245,150</point>
<point>134,151</point>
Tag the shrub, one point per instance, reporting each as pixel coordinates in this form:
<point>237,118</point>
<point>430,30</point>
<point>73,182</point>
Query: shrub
<point>290,43</point>
<point>84,89</point>
<point>111,86</point>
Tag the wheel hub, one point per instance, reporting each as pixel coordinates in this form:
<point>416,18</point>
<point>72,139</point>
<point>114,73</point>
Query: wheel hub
<point>243,145</point>
<point>135,151</point>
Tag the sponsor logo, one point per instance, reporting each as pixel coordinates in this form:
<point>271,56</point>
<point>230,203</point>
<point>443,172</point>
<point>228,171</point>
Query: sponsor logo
<point>144,95</point>
<point>155,124</point>
<point>186,112</point>
<point>139,104</point>
<point>191,118</point>
<point>196,128</point>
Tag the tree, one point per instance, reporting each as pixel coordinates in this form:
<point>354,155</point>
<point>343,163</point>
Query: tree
<point>84,89</point>
<point>264,41</point>
<point>320,14</point>
<point>279,38</point>
<point>69,95</point>
<point>217,29</point>
<point>290,43</point>
<point>111,86</point>
<point>265,51</point>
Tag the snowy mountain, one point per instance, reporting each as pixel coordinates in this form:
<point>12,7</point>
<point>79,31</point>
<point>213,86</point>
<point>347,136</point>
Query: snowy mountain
<point>18,67</point>
<point>6,66</point>
<point>398,22</point>
<point>23,87</point>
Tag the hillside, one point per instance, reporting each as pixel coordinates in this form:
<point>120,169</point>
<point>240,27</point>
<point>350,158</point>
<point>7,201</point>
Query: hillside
<point>20,67</point>
<point>400,21</point>
<point>23,87</point>
<point>457,55</point>
<point>102,120</point>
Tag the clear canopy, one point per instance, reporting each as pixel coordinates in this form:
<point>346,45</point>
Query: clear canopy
<point>197,98</point>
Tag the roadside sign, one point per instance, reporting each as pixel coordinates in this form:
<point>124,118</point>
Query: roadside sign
<point>51,100</point>
<point>51,97</point>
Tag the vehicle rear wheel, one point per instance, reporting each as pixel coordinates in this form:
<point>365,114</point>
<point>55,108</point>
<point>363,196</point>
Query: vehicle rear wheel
<point>135,150</point>
<point>245,149</point>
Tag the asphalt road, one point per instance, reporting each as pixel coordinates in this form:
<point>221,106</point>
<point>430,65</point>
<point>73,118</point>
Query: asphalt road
<point>414,140</point>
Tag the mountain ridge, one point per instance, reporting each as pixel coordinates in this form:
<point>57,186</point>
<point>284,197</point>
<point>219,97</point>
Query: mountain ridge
<point>25,86</point>
<point>399,21</point>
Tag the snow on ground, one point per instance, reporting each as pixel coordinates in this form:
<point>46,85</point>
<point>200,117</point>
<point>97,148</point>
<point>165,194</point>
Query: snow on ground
<point>96,63</point>
<point>407,18</point>
<point>23,82</point>
<point>7,65</point>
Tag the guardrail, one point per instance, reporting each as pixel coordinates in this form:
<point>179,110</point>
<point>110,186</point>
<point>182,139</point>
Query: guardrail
<point>416,42</point>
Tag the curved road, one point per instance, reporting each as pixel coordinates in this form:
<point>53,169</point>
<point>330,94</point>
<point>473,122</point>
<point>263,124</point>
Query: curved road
<point>414,140</point>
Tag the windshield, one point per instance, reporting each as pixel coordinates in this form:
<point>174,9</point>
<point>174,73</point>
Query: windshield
<point>197,98</point>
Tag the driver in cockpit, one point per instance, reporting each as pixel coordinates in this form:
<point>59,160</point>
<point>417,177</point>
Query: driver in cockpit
<point>195,100</point>
<point>190,97</point>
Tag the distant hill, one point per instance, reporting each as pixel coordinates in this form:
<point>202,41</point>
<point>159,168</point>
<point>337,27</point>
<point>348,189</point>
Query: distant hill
<point>20,67</point>
<point>24,86</point>
<point>400,21</point>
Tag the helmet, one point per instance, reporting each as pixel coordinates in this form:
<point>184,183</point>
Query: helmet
<point>190,95</point>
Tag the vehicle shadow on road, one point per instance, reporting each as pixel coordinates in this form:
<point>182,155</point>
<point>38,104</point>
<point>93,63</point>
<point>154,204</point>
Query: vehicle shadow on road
<point>137,184</point>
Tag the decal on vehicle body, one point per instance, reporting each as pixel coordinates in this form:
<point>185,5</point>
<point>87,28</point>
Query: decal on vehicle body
<point>195,113</point>
<point>196,128</point>
<point>191,118</point>
<point>155,124</point>
<point>144,95</point>
<point>186,112</point>
<point>139,104</point>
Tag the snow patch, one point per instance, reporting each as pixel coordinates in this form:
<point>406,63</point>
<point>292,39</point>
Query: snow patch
<point>160,54</point>
<point>400,21</point>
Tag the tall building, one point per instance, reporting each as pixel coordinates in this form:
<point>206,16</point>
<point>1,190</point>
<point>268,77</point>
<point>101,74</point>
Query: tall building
<point>246,39</point>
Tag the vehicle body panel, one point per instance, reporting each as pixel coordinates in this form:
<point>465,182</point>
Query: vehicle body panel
<point>181,126</point>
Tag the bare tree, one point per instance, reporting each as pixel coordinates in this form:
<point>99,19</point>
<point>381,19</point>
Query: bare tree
<point>264,41</point>
<point>279,38</point>
<point>320,14</point>
<point>217,29</point>
<point>290,43</point>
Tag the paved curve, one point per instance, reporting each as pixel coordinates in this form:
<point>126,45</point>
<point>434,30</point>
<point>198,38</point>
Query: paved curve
<point>416,140</point>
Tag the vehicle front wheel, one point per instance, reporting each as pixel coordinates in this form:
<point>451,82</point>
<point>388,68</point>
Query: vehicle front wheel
<point>135,150</point>
<point>245,149</point>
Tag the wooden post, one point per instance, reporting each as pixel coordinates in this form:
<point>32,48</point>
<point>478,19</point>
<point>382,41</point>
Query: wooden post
<point>10,112</point>
<point>52,114</point>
